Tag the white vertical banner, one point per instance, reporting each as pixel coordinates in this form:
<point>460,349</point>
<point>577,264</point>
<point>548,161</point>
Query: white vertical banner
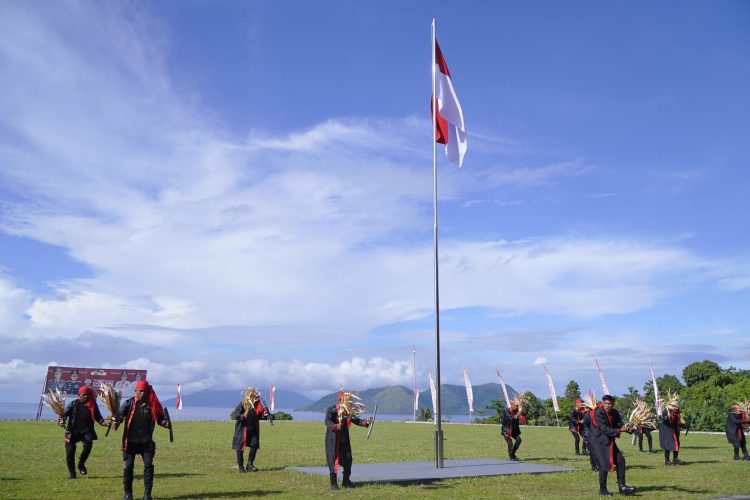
<point>271,397</point>
<point>433,392</point>
<point>657,401</point>
<point>552,393</point>
<point>178,401</point>
<point>416,400</point>
<point>469,391</point>
<point>601,377</point>
<point>502,386</point>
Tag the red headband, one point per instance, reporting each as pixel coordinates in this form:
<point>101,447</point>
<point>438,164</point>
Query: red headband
<point>141,385</point>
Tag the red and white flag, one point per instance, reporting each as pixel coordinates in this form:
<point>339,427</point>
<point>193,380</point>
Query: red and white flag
<point>450,128</point>
<point>601,377</point>
<point>469,391</point>
<point>416,399</point>
<point>656,389</point>
<point>178,401</point>
<point>271,402</point>
<point>552,393</point>
<point>502,386</point>
<point>433,392</point>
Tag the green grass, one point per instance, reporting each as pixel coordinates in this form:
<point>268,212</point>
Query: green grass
<point>201,464</point>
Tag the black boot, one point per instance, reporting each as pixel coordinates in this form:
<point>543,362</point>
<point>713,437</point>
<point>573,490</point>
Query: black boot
<point>240,461</point>
<point>71,473</point>
<point>250,467</point>
<point>627,490</point>
<point>676,461</point>
<point>147,493</point>
<point>604,492</point>
<point>127,496</point>
<point>666,458</point>
<point>346,483</point>
<point>334,484</point>
<point>82,468</point>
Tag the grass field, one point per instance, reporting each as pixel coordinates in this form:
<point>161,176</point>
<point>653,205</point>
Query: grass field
<point>201,464</point>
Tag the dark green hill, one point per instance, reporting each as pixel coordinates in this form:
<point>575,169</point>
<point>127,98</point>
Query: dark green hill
<point>397,399</point>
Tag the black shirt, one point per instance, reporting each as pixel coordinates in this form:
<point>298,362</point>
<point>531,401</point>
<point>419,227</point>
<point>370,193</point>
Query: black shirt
<point>82,421</point>
<point>138,432</point>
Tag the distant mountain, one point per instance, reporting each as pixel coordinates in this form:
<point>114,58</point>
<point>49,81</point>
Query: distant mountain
<point>284,398</point>
<point>397,399</point>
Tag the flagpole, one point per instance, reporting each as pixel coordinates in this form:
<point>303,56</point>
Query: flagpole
<point>438,429</point>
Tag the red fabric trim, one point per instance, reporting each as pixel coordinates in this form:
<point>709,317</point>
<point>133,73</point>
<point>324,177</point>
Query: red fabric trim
<point>440,61</point>
<point>441,127</point>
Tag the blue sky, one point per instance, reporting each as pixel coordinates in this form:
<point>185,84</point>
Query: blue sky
<point>240,193</point>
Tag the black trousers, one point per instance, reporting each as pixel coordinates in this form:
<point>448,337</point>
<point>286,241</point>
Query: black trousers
<point>619,467</point>
<point>147,452</point>
<point>577,439</point>
<point>250,456</point>
<point>512,448</point>
<point>648,438</point>
<point>70,449</point>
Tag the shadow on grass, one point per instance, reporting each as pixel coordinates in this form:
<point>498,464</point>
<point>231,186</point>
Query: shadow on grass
<point>700,462</point>
<point>428,484</point>
<point>227,494</point>
<point>694,491</point>
<point>700,447</point>
<point>10,479</point>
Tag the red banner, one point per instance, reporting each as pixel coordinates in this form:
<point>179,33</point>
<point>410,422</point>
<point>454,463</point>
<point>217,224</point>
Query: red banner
<point>69,379</point>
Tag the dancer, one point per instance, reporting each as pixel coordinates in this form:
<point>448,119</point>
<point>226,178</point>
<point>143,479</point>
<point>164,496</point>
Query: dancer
<point>736,421</point>
<point>669,429</point>
<point>140,414</point>
<point>511,427</point>
<point>339,418</point>
<point>248,414</point>
<point>81,414</point>
<point>606,425</point>
<point>575,426</point>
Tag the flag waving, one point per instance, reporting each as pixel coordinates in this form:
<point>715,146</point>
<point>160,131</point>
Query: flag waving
<point>271,395</point>
<point>656,388</point>
<point>433,392</point>
<point>178,401</point>
<point>449,127</point>
<point>502,386</point>
<point>469,391</point>
<point>552,393</point>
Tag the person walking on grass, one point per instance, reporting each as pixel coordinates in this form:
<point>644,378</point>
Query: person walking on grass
<point>140,415</point>
<point>606,426</point>
<point>247,416</point>
<point>81,414</point>
<point>512,429</point>
<point>338,446</point>
<point>736,421</point>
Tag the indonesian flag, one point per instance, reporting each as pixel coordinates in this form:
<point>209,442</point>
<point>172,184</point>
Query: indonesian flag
<point>469,391</point>
<point>502,386</point>
<point>601,377</point>
<point>433,392</point>
<point>271,394</point>
<point>552,393</point>
<point>656,389</point>
<point>450,128</point>
<point>178,401</point>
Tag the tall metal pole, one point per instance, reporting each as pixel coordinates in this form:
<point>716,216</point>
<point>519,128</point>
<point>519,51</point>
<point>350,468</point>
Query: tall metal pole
<point>438,429</point>
<point>414,372</point>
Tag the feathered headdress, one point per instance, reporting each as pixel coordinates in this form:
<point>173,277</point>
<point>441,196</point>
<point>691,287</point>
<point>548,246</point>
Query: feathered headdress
<point>589,400</point>
<point>251,396</point>
<point>671,402</point>
<point>350,405</point>
<point>642,416</point>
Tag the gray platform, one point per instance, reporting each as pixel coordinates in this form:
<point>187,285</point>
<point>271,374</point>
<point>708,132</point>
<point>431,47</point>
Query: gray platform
<point>393,472</point>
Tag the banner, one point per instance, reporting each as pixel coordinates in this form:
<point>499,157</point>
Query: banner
<point>469,391</point>
<point>178,400</point>
<point>502,386</point>
<point>657,401</point>
<point>70,378</point>
<point>271,397</point>
<point>601,377</point>
<point>416,399</point>
<point>552,393</point>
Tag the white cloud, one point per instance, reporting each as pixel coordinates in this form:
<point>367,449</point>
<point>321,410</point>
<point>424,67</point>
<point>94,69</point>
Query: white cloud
<point>18,371</point>
<point>540,361</point>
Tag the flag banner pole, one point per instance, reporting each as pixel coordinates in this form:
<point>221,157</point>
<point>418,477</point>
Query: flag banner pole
<point>601,377</point>
<point>438,417</point>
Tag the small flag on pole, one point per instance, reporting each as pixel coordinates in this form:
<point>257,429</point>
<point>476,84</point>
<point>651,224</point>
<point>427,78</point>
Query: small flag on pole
<point>416,399</point>
<point>601,377</point>
<point>271,395</point>
<point>502,386</point>
<point>178,403</point>
<point>449,127</point>
<point>552,393</point>
<point>469,391</point>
